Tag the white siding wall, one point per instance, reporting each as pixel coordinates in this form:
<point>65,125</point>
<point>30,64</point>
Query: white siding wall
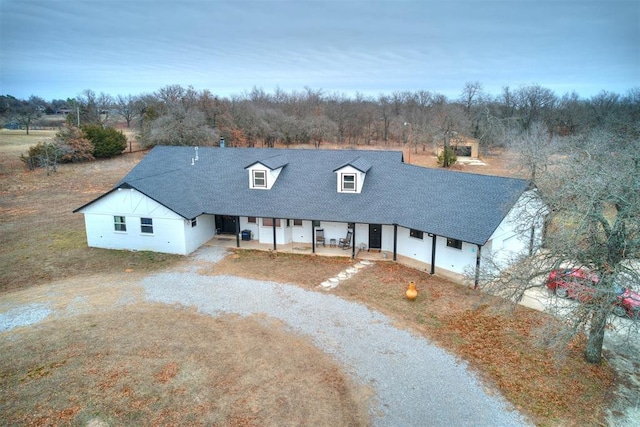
<point>412,247</point>
<point>283,233</point>
<point>452,259</point>
<point>513,235</point>
<point>301,233</point>
<point>253,227</point>
<point>168,227</point>
<point>334,230</point>
<point>196,236</point>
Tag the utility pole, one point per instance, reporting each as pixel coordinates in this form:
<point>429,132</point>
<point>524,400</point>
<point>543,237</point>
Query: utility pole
<point>408,142</point>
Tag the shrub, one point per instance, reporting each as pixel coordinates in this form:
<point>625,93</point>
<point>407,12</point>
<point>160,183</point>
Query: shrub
<point>74,145</point>
<point>107,142</point>
<point>447,157</point>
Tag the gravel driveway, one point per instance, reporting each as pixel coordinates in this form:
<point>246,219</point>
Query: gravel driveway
<point>415,382</point>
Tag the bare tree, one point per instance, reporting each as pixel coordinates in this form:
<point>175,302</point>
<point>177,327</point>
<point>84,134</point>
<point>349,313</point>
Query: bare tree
<point>471,95</point>
<point>594,204</point>
<point>532,149</point>
<point>26,112</point>
<point>448,121</point>
<point>126,107</point>
<point>94,109</point>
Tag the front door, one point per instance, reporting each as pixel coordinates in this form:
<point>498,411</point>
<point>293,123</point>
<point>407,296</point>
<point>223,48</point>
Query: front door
<point>226,224</point>
<point>375,236</point>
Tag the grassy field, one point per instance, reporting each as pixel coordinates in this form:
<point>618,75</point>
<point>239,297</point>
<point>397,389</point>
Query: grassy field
<point>140,365</point>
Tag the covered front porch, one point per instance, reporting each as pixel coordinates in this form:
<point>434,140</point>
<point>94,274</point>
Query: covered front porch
<point>230,241</point>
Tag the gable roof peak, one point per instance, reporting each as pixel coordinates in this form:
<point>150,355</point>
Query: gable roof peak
<point>273,162</point>
<point>359,163</point>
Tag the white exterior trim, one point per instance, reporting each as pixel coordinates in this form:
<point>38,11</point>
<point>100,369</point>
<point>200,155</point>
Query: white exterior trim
<point>271,175</point>
<point>350,170</point>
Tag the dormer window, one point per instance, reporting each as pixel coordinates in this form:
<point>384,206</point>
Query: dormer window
<point>259,179</point>
<point>264,173</point>
<point>350,176</point>
<point>348,182</point>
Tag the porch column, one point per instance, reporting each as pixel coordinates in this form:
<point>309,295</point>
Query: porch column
<point>433,254</point>
<point>353,242</point>
<point>274,233</point>
<point>237,231</point>
<point>313,238</point>
<point>477,280</point>
<point>395,241</point>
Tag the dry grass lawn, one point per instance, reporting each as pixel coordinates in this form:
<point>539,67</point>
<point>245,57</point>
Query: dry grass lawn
<point>156,365</point>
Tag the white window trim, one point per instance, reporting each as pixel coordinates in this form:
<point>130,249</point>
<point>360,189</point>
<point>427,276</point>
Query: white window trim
<point>254,177</point>
<point>142,226</point>
<point>353,183</point>
<point>122,223</point>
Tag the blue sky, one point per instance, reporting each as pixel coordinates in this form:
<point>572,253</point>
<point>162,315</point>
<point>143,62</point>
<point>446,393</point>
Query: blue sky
<point>57,49</point>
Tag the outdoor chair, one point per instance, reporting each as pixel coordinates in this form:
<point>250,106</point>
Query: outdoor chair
<point>320,237</point>
<point>346,242</point>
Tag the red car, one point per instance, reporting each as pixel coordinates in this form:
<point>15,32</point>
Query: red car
<point>578,284</point>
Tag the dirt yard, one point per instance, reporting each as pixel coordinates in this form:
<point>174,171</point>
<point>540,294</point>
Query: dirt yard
<point>140,365</point>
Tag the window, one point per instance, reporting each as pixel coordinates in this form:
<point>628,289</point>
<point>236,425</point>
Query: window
<point>146,225</point>
<point>348,182</point>
<point>120,223</point>
<point>259,179</point>
<point>416,233</point>
<point>251,220</point>
<point>297,222</point>
<point>268,222</point>
<point>194,222</point>
<point>453,243</point>
<point>316,223</point>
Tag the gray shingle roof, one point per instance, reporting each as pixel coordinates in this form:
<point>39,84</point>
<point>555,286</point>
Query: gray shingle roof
<point>359,163</point>
<point>463,206</point>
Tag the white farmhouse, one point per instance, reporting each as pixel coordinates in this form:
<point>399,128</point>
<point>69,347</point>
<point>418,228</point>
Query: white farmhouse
<point>172,203</point>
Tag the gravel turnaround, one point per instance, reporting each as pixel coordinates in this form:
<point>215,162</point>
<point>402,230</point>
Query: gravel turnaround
<point>416,383</point>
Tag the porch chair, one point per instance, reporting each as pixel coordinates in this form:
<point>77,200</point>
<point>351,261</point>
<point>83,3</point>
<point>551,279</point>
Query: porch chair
<point>320,237</point>
<point>346,242</point>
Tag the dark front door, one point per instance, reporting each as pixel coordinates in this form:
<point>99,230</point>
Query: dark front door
<point>226,224</point>
<point>375,236</point>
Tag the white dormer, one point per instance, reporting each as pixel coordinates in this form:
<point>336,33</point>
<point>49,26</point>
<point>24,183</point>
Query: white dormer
<point>263,174</point>
<point>350,176</point>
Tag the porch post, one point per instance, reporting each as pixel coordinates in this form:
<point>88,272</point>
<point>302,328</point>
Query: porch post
<point>477,280</point>
<point>237,231</point>
<point>313,238</point>
<point>395,241</point>
<point>353,243</point>
<point>274,233</point>
<point>433,254</point>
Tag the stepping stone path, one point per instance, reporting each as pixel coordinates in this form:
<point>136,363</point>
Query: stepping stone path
<point>332,282</point>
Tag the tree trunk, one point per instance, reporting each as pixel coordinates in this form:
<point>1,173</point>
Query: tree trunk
<point>593,352</point>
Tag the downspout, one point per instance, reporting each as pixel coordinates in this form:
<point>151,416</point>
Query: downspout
<point>477,279</point>
<point>274,233</point>
<point>238,231</point>
<point>433,254</point>
<point>395,239</point>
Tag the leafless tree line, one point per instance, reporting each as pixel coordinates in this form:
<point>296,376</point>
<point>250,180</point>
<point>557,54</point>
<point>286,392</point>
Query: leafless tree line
<point>184,116</point>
